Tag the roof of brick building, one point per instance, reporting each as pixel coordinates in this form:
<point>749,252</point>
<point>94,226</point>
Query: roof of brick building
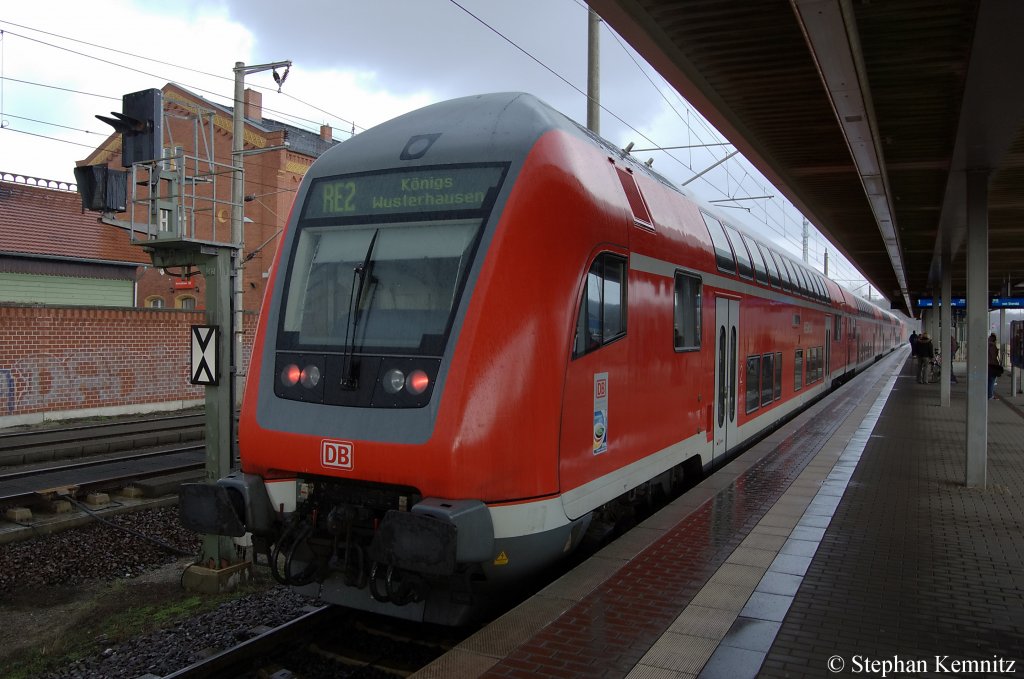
<point>46,222</point>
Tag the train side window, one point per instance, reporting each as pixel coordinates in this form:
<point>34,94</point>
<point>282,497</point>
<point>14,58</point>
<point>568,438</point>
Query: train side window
<point>746,267</point>
<point>602,316</point>
<point>798,370</point>
<point>760,270</point>
<point>686,323</point>
<point>837,330</point>
<point>773,271</point>
<point>778,376</point>
<point>812,365</point>
<point>723,251</point>
<point>753,395</point>
<point>767,378</point>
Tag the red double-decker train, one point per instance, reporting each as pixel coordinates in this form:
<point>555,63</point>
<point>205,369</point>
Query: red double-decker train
<point>486,328</point>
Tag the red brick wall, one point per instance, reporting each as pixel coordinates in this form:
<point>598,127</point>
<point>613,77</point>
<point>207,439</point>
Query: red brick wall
<point>60,359</point>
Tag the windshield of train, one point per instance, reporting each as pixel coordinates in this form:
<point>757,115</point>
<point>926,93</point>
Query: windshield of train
<point>381,259</point>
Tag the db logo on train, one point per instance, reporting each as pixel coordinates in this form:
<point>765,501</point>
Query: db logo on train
<point>336,454</point>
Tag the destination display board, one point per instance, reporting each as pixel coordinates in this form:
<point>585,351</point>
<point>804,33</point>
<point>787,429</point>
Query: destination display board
<point>928,302</point>
<point>439,189</point>
<point>1007,303</point>
<point>961,302</point>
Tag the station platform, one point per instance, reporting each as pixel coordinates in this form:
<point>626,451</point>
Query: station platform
<point>844,543</point>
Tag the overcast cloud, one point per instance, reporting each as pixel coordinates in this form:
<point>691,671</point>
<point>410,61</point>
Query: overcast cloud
<point>353,61</point>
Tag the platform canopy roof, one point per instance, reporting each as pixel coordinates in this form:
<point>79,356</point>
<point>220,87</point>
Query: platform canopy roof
<point>866,114</point>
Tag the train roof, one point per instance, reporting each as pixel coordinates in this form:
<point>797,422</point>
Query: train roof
<point>503,125</point>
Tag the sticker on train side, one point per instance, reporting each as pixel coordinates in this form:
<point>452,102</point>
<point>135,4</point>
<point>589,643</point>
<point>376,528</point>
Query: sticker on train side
<point>600,413</point>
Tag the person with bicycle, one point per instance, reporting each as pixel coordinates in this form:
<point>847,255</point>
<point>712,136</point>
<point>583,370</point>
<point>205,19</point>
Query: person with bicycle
<point>925,352</point>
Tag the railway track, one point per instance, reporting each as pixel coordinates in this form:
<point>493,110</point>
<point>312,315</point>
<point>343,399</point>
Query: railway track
<point>41,446</point>
<point>36,485</point>
<point>41,466</point>
<point>328,641</point>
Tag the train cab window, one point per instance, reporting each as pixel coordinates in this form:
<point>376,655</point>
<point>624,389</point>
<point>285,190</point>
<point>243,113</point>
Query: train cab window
<point>746,267</point>
<point>798,370</point>
<point>602,316</point>
<point>767,378</point>
<point>753,382</point>
<point>641,215</point>
<point>723,251</point>
<point>778,376</point>
<point>773,271</point>
<point>760,270</point>
<point>686,323</point>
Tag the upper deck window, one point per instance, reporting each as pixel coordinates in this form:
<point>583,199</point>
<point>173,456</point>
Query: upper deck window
<point>746,267</point>
<point>790,270</point>
<point>723,251</point>
<point>760,271</point>
<point>773,271</point>
<point>822,290</point>
<point>805,286</point>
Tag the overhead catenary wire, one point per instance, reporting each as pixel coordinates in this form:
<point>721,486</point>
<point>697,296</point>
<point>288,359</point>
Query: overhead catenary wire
<point>735,184</point>
<point>173,81</point>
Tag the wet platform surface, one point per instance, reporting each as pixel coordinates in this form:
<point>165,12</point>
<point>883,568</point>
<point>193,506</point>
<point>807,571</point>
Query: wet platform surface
<point>848,533</point>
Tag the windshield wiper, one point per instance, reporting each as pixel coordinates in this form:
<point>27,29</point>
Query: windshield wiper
<point>348,379</point>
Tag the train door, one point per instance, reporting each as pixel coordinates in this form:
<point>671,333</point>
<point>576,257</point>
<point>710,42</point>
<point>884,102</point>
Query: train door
<point>727,315</point>
<point>828,348</point>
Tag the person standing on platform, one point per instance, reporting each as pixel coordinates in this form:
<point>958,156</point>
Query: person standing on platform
<point>995,369</point>
<point>925,352</point>
<point>913,341</point>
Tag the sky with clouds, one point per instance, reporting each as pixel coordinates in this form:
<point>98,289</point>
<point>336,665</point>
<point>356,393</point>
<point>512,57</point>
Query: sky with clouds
<point>355,64</point>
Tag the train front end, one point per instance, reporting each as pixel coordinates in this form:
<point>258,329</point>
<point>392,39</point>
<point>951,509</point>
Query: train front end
<point>378,470</point>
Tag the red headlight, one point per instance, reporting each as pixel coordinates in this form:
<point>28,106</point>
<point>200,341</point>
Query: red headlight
<point>417,382</point>
<point>290,375</point>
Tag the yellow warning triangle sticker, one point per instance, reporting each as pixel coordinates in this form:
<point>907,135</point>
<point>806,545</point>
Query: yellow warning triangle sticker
<point>501,560</point>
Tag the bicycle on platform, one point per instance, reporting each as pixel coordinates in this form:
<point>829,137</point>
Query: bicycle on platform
<point>935,372</point>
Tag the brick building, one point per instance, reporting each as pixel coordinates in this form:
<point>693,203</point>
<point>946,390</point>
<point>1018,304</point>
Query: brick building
<point>52,253</point>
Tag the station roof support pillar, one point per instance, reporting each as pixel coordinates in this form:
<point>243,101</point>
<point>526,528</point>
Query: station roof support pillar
<point>946,318</point>
<point>977,328</point>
